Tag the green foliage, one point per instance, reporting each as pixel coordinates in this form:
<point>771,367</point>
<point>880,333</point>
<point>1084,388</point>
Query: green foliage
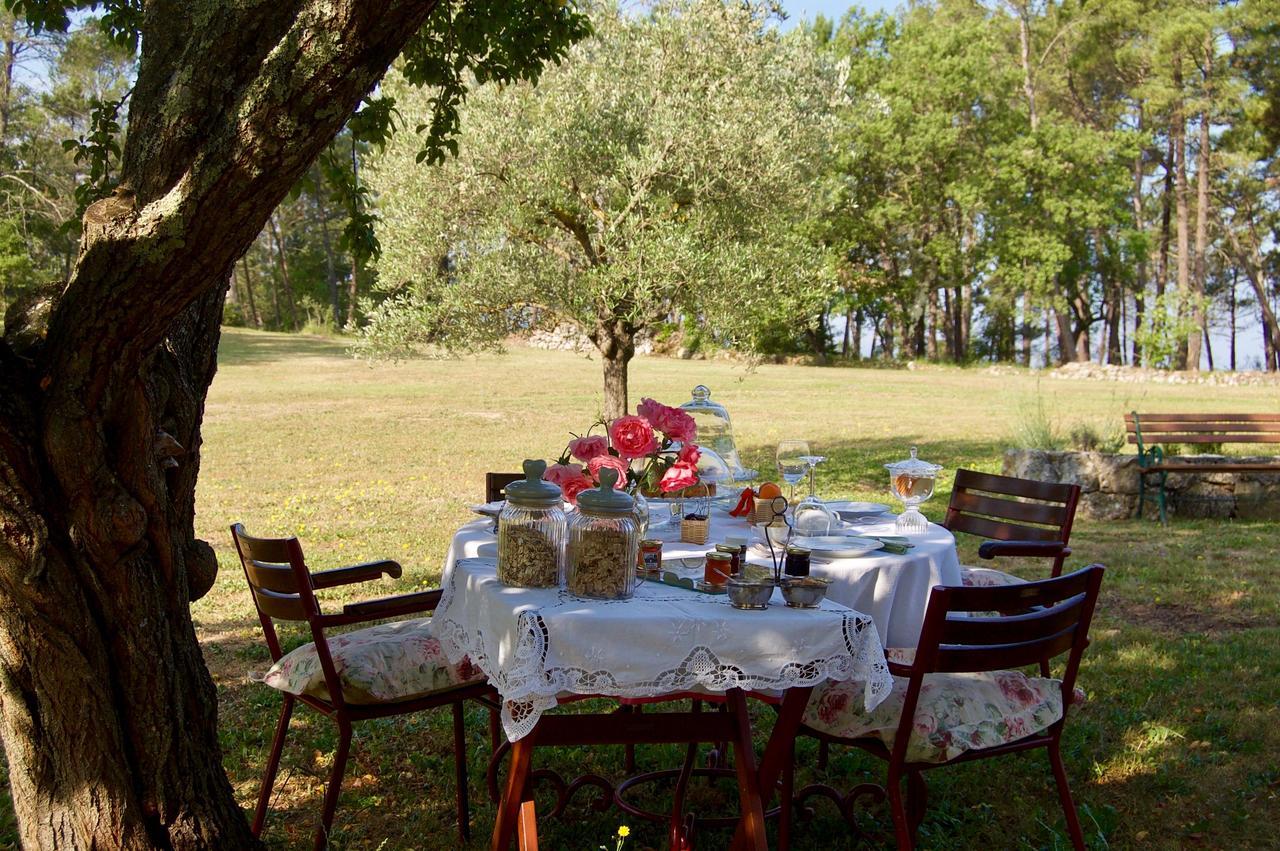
<point>1166,324</point>
<point>666,169</point>
<point>1035,427</point>
<point>97,149</point>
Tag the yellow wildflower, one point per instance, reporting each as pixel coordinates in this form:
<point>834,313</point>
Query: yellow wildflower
<point>624,831</point>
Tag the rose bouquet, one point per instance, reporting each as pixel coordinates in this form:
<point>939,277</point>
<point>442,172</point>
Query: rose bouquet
<point>653,451</point>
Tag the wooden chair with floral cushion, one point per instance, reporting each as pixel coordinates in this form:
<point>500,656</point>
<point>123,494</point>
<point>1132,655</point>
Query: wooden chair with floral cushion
<point>1021,518</point>
<point>495,485</point>
<point>959,696</point>
<point>376,672</point>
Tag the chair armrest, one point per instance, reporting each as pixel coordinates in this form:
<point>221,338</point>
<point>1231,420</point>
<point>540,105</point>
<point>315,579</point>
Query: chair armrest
<point>1034,549</point>
<point>356,573</point>
<point>386,607</point>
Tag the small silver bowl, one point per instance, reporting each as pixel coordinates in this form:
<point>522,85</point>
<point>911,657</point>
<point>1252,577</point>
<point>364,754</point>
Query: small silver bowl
<point>804,592</point>
<point>750,593</point>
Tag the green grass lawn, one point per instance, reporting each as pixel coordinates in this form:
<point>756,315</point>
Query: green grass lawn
<point>1179,744</point>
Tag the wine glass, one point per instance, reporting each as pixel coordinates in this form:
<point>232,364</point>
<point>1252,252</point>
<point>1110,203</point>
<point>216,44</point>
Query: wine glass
<point>812,517</point>
<point>793,462</point>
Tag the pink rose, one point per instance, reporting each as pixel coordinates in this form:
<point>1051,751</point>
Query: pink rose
<point>689,454</point>
<point>558,474</point>
<point>596,464</point>
<point>573,487</point>
<point>679,476</point>
<point>586,448</point>
<point>633,437</point>
<point>673,422</point>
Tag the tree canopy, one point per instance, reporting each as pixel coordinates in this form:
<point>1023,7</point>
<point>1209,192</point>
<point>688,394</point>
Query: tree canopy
<point>669,167</point>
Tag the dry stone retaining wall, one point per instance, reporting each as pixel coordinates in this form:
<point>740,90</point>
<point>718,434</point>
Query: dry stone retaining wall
<point>1109,484</point>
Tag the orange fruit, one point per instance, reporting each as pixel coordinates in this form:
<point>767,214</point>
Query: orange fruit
<point>769,490</point>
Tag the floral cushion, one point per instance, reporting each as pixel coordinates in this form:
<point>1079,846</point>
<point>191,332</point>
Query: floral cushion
<point>955,712</point>
<point>986,577</point>
<point>380,664</point>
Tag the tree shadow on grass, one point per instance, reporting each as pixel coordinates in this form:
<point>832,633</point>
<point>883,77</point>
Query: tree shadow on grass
<point>240,347</point>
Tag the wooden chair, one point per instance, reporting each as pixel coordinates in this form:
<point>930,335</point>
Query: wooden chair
<point>495,485</point>
<point>1037,622</point>
<point>284,589</point>
<point>1020,518</point>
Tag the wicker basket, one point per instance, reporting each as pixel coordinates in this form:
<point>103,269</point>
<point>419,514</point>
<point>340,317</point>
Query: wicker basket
<point>763,513</point>
<point>695,531</point>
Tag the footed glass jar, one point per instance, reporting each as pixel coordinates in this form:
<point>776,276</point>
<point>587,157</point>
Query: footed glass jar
<point>912,481</point>
<point>531,532</point>
<point>603,543</point>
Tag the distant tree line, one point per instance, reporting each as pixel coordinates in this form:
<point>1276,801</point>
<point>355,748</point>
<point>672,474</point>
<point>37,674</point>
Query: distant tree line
<point>1009,180</point>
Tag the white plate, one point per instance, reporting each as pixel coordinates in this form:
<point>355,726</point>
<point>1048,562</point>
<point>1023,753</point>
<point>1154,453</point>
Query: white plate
<point>849,507</point>
<point>837,546</point>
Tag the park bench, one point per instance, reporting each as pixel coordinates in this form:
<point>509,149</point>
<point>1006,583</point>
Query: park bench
<point>1151,431</point>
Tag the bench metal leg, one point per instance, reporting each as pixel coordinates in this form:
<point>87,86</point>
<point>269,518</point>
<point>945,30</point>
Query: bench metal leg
<point>1164,519</point>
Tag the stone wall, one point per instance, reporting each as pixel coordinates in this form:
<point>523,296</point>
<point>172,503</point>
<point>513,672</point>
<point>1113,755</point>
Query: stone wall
<point>1109,484</point>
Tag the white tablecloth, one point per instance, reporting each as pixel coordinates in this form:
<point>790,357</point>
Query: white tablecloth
<point>537,644</point>
<point>892,589</point>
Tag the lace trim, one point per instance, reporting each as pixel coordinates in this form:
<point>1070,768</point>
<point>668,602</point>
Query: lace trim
<point>529,688</point>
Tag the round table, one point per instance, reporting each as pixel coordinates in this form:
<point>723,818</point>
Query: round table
<point>892,589</point>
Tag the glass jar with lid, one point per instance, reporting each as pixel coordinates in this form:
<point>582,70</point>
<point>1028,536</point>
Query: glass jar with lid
<point>603,542</point>
<point>715,431</point>
<point>531,532</point>
<point>912,481</point>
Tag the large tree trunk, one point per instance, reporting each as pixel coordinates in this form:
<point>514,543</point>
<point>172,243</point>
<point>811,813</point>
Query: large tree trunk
<point>1178,131</point>
<point>615,339</point>
<point>108,712</point>
<point>1139,225</point>
<point>1199,279</point>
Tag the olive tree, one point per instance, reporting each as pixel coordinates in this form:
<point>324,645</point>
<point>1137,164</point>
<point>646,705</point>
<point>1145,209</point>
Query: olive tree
<point>667,170</point>
<point>107,711</point>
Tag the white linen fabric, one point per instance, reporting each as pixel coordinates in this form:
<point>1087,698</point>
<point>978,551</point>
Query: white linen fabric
<point>538,644</point>
<point>892,589</point>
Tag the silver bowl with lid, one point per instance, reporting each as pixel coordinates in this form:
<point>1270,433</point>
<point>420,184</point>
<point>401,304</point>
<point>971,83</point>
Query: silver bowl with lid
<point>746,593</point>
<point>804,592</point>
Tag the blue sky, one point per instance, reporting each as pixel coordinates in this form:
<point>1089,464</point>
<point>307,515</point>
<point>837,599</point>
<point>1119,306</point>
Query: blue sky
<point>834,9</point>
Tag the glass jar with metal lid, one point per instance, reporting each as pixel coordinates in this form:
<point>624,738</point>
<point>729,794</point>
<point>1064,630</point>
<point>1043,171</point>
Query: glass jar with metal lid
<point>531,532</point>
<point>603,542</point>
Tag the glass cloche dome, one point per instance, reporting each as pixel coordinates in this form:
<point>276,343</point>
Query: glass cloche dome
<point>715,432</point>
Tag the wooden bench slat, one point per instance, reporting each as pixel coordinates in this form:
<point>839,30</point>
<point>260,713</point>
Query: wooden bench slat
<point>1175,437</point>
<point>1202,418</point>
<point>1215,468</point>
<point>1235,428</point>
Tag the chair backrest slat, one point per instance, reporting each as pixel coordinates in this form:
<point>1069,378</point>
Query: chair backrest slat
<point>961,629</point>
<point>1013,486</point>
<point>285,607</point>
<point>998,657</point>
<point>273,577</point>
<point>1042,513</point>
<point>999,529</point>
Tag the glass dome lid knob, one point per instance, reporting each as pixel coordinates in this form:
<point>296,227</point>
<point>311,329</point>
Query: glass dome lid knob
<point>532,489</point>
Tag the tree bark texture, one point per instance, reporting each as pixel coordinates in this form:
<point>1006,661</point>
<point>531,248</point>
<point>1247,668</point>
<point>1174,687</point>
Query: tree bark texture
<point>108,712</point>
<point>615,339</point>
<point>1178,134</point>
